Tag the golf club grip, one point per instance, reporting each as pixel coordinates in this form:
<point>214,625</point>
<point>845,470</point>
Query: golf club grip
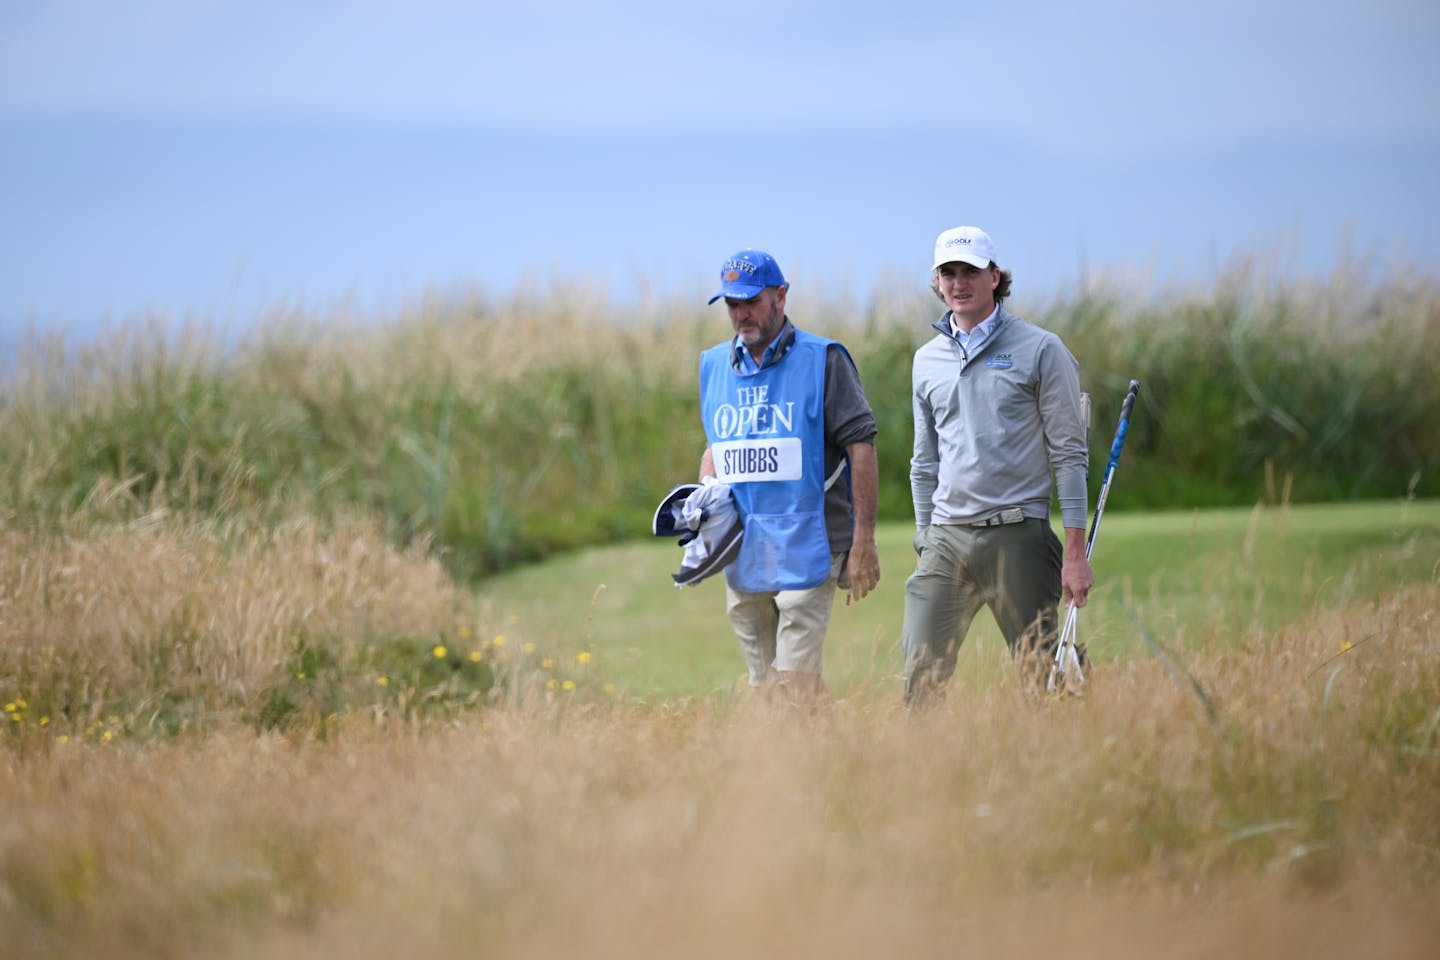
<point>1124,427</point>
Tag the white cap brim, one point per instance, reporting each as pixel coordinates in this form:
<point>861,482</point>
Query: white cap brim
<point>980,263</point>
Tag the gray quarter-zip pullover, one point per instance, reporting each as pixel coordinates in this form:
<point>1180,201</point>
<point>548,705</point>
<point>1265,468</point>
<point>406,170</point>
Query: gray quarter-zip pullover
<point>990,427</point>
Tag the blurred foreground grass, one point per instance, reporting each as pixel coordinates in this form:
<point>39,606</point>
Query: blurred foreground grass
<point>1300,822</point>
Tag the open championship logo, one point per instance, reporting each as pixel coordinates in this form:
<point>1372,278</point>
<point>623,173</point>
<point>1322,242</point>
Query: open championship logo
<point>754,420</point>
<point>753,415</point>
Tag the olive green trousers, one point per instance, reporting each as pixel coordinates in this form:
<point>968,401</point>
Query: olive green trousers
<point>1013,569</point>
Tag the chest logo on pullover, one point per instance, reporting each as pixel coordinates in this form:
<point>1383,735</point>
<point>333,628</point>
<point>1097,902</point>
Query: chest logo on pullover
<point>1004,361</point>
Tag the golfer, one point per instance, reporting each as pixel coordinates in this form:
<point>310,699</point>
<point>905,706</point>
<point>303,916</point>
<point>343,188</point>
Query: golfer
<point>997,407</point>
<point>788,427</point>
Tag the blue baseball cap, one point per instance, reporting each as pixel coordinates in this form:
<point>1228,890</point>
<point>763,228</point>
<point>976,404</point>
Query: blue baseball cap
<point>747,273</point>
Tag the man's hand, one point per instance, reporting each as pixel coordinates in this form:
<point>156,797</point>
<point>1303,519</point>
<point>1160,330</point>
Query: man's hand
<point>862,570</point>
<point>863,565</point>
<point>1076,577</point>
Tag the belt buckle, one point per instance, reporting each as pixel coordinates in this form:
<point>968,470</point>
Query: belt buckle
<point>1011,515</point>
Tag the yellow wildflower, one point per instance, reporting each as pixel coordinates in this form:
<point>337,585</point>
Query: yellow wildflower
<point>499,640</point>
<point>550,684</point>
<point>383,681</point>
<point>439,651</point>
<point>1345,645</point>
<point>464,633</point>
<point>547,663</point>
<point>528,647</point>
<point>583,656</point>
<point>568,685</point>
<point>609,689</point>
<point>476,656</point>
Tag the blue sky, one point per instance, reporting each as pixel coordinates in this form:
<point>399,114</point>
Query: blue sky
<point>210,158</point>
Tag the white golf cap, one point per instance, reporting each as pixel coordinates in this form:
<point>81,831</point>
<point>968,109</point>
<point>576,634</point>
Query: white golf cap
<point>967,245</point>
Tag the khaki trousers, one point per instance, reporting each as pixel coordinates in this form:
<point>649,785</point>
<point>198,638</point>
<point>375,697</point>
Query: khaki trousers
<point>1013,569</point>
<point>783,629</point>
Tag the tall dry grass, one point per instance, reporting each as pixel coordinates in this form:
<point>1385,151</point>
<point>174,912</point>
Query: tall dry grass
<point>1300,820</point>
<point>170,626</point>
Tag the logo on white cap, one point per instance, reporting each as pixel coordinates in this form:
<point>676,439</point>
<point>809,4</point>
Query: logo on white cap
<point>966,245</point>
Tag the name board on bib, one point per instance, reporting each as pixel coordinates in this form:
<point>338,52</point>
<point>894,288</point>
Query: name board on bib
<point>751,461</point>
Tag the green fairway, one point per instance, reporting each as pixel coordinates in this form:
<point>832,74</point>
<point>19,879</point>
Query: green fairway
<point>1195,580</point>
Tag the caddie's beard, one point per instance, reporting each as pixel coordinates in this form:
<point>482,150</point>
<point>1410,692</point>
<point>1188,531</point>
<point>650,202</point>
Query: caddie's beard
<point>762,330</point>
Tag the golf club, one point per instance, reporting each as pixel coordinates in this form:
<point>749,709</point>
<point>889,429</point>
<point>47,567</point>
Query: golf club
<point>1067,658</point>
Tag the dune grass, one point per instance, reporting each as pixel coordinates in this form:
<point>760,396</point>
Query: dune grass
<point>503,432</point>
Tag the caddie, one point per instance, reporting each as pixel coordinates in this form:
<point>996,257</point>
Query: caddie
<point>789,429</point>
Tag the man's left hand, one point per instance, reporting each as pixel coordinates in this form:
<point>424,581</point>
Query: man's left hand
<point>1076,579</point>
<point>862,570</point>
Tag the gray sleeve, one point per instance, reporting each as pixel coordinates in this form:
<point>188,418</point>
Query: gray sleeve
<point>1064,427</point>
<point>925,460</point>
<point>848,418</point>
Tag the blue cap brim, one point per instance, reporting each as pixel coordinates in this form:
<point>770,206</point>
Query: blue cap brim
<point>737,291</point>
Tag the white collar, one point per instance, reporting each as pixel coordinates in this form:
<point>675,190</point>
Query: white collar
<point>980,331</point>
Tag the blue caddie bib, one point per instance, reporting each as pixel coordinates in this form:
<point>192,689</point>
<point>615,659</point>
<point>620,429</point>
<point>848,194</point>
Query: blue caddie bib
<point>766,430</point>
